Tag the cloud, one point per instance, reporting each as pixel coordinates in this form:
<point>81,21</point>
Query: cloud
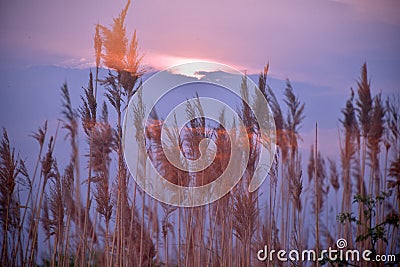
<point>323,42</point>
<point>81,63</point>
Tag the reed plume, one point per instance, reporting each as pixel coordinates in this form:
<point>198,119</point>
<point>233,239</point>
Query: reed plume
<point>11,168</point>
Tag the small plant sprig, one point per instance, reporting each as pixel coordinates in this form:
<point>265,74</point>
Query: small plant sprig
<point>373,233</point>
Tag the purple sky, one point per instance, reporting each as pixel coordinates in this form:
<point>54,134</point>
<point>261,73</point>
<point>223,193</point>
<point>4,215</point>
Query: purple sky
<point>319,42</point>
<point>319,45</point>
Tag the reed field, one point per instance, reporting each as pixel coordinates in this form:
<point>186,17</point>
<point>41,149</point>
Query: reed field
<point>97,215</point>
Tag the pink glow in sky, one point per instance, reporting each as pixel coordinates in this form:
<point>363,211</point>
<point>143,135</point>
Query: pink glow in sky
<point>323,42</point>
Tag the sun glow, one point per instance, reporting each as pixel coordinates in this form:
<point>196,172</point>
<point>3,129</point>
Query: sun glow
<point>161,62</point>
